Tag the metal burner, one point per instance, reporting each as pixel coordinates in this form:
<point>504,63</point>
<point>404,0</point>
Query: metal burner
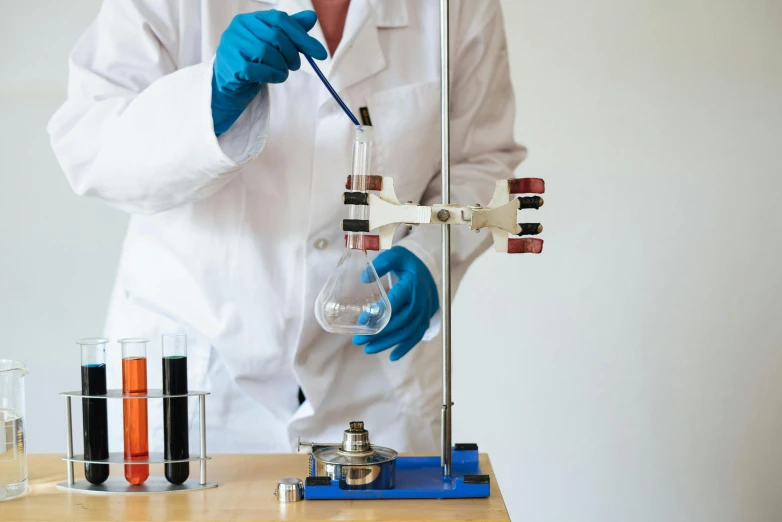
<point>356,463</point>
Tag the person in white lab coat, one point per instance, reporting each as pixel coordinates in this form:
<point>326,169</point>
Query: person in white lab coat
<point>234,231</point>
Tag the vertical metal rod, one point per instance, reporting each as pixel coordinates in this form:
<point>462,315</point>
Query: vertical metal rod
<point>445,301</point>
<point>202,431</point>
<point>69,438</point>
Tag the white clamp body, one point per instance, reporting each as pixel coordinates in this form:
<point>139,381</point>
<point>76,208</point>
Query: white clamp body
<point>386,214</point>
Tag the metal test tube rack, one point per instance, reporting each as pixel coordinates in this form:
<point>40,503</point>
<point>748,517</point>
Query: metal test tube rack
<point>119,486</point>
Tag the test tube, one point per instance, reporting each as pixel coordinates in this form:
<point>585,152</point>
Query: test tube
<point>362,169</point>
<point>94,413</point>
<point>134,382</point>
<point>175,418</point>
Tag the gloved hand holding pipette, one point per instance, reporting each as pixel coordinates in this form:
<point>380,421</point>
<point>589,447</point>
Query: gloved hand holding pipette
<point>258,48</point>
<point>413,303</point>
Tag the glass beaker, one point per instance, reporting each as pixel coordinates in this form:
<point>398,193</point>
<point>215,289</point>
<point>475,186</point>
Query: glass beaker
<point>13,452</point>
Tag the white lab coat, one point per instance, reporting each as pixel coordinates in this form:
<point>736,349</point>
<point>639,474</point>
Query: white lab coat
<point>231,239</point>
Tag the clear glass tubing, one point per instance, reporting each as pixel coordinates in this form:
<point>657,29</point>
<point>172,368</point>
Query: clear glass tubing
<point>362,151</point>
<point>93,350</point>
<point>362,167</point>
<point>134,347</point>
<point>174,345</point>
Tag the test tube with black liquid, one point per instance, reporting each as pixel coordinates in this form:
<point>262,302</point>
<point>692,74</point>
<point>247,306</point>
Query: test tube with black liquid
<point>94,411</point>
<point>175,425</point>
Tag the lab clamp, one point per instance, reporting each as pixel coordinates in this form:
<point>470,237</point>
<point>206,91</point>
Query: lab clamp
<point>355,468</point>
<point>386,214</point>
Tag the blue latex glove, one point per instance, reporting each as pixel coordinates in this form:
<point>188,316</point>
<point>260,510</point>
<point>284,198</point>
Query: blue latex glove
<point>413,303</point>
<point>257,48</point>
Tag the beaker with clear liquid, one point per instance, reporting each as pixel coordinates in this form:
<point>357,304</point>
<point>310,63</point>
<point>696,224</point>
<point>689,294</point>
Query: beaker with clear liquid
<point>13,452</point>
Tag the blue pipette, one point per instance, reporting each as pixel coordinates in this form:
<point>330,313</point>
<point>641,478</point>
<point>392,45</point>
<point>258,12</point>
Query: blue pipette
<point>331,90</point>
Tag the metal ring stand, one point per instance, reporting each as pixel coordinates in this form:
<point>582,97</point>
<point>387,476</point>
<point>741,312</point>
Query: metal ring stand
<point>119,486</point>
<point>446,457</point>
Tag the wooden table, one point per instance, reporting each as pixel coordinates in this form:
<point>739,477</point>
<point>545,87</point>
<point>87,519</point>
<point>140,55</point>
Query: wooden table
<point>245,492</point>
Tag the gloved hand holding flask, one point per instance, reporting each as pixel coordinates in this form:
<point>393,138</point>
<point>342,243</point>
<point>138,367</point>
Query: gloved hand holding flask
<point>413,300</point>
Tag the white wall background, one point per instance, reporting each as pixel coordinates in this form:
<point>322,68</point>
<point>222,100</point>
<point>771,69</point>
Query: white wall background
<point>632,372</point>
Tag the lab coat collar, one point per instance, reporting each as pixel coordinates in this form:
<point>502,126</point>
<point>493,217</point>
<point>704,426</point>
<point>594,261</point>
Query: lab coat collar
<point>388,13</point>
<point>359,54</point>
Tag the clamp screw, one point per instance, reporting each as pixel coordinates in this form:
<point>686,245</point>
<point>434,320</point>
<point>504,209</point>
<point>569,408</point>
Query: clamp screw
<point>443,215</point>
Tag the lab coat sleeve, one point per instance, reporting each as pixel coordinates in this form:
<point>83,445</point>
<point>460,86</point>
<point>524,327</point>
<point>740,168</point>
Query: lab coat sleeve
<point>483,148</point>
<point>136,129</point>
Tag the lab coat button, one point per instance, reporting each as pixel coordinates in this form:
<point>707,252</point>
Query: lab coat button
<point>321,244</point>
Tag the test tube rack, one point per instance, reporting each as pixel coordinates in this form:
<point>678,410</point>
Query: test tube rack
<point>119,486</point>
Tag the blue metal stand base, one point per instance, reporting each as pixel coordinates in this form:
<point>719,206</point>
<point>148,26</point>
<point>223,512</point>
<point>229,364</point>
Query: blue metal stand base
<point>417,477</point>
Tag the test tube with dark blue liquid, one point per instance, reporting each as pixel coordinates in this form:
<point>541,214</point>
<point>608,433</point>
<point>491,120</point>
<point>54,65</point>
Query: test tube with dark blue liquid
<point>95,418</point>
<point>175,425</point>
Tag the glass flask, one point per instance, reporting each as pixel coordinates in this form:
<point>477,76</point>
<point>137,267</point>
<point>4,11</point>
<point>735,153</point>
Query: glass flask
<point>13,451</point>
<point>95,413</point>
<point>353,300</point>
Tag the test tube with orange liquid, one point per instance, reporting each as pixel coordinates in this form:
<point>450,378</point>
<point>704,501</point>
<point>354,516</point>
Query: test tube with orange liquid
<point>134,382</point>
